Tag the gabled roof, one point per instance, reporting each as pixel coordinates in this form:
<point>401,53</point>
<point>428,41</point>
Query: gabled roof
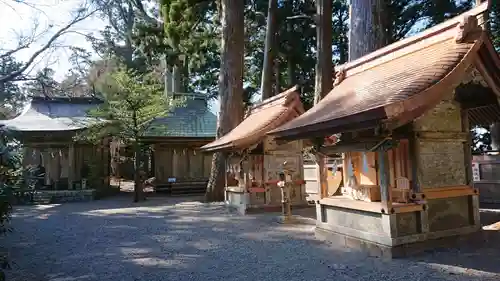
<point>260,119</point>
<point>190,120</point>
<point>394,85</point>
<point>45,115</point>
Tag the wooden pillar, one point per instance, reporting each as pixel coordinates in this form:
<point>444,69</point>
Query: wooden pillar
<point>321,174</point>
<point>175,161</point>
<point>71,165</point>
<point>385,189</point>
<point>188,162</point>
<point>27,152</point>
<point>203,167</point>
<point>47,159</point>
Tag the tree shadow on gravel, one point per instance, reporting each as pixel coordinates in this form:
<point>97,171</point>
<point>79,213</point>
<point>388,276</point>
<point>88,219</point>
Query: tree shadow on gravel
<point>184,239</point>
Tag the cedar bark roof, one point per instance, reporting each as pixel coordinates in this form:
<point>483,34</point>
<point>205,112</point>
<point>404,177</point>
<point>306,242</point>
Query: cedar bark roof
<point>260,119</point>
<point>396,84</point>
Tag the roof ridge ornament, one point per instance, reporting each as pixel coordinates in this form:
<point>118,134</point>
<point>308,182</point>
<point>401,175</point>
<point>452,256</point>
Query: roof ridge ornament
<point>339,77</point>
<point>468,23</point>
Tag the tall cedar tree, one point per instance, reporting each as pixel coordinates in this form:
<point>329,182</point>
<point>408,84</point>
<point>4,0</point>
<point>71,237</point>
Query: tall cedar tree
<point>131,102</point>
<point>324,71</point>
<point>230,87</point>
<point>270,49</point>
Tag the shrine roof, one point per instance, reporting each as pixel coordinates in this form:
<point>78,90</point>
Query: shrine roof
<point>52,115</point>
<point>396,84</point>
<point>259,120</point>
<point>193,119</point>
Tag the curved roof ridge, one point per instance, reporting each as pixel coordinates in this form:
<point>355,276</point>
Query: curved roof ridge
<point>268,115</point>
<point>401,47</point>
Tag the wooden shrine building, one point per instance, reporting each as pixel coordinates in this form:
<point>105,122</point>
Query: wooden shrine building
<point>257,160</point>
<point>46,128</point>
<point>175,139</point>
<point>403,114</point>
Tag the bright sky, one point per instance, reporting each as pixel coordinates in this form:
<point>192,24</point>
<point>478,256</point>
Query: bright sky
<point>21,17</point>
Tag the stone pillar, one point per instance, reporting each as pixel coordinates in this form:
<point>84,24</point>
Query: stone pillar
<point>439,140</point>
<point>443,159</point>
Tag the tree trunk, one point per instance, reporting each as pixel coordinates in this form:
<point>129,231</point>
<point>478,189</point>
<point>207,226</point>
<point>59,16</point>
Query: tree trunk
<point>277,84</point>
<point>324,72</point>
<point>138,192</point>
<point>266,86</point>
<point>292,78</point>
<point>368,27</point>
<point>324,67</point>
<point>230,88</point>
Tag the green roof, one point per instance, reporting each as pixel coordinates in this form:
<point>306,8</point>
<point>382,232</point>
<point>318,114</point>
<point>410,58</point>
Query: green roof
<point>193,119</point>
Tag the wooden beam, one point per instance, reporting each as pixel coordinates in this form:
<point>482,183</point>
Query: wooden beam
<point>348,203</point>
<point>446,192</point>
<point>385,189</point>
<point>347,147</point>
<point>372,207</point>
<point>71,165</point>
<point>408,208</point>
<point>442,136</point>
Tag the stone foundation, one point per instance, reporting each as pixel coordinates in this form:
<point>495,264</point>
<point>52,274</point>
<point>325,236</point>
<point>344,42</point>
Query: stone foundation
<point>400,234</point>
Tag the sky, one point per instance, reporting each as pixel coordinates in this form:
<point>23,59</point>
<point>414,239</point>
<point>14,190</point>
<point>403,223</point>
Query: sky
<point>21,17</point>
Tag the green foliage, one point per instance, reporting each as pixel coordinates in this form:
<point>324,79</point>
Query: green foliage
<point>10,92</point>
<point>495,24</point>
<point>481,139</point>
<point>131,102</point>
<point>439,11</point>
<point>10,178</point>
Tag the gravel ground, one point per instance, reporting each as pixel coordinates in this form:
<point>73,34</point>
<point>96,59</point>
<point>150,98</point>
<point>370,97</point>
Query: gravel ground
<point>181,239</point>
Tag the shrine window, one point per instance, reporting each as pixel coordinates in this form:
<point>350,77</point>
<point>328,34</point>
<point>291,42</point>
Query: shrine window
<point>360,180</point>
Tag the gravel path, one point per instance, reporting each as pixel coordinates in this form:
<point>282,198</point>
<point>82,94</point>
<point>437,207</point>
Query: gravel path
<point>181,239</point>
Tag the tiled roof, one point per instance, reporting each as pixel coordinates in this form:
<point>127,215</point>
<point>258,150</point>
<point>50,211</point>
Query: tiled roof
<point>47,116</point>
<point>395,84</point>
<point>259,120</point>
<point>76,92</point>
<point>193,119</point>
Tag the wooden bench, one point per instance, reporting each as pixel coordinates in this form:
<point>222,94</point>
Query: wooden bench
<point>182,187</point>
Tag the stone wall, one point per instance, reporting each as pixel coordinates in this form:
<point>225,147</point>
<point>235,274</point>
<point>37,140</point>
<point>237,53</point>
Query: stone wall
<point>440,155</point>
<point>449,213</point>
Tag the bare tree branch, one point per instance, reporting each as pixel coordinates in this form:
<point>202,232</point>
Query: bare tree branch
<point>81,15</point>
<point>11,52</point>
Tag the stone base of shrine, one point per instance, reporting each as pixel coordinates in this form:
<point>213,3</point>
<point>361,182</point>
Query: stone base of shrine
<point>399,251</point>
<point>63,196</point>
<point>440,223</point>
<point>243,204</point>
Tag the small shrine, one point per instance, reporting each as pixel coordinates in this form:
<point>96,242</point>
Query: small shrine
<point>176,162</point>
<point>402,117</point>
<point>57,165</point>
<point>256,162</point>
